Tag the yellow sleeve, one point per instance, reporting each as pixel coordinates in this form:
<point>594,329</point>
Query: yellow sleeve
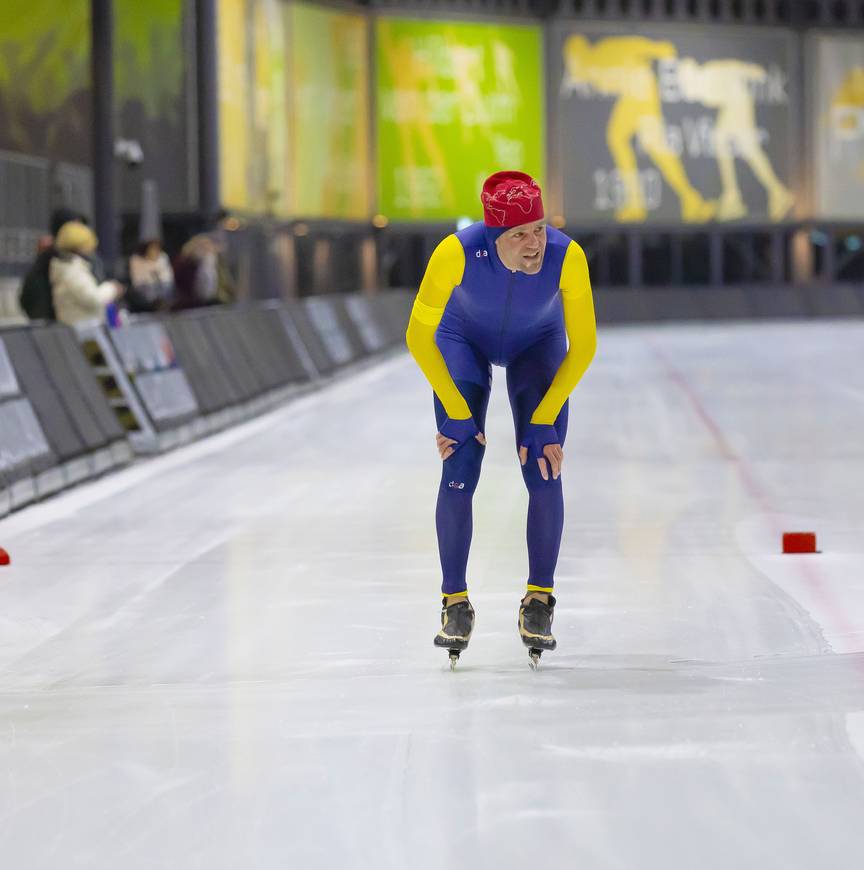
<point>581,329</point>
<point>444,272</point>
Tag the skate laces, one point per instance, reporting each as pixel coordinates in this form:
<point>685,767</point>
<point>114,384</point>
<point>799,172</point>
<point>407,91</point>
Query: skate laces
<point>459,615</point>
<point>542,606</point>
<point>537,614</point>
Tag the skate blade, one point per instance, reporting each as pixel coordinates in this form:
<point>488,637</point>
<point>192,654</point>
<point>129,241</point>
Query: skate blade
<point>454,658</point>
<point>534,658</point>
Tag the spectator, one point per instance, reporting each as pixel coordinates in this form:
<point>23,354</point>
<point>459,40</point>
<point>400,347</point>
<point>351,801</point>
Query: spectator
<point>201,275</point>
<point>76,293</point>
<point>226,286</point>
<point>192,274</point>
<point>224,227</point>
<point>35,295</point>
<point>151,278</point>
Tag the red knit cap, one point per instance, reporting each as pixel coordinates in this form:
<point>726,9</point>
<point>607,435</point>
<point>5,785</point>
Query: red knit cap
<point>510,199</point>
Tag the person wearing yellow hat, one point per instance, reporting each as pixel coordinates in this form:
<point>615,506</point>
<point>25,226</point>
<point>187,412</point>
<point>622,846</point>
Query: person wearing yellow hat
<point>76,293</point>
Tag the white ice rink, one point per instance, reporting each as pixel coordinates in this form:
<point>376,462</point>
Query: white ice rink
<point>223,658</point>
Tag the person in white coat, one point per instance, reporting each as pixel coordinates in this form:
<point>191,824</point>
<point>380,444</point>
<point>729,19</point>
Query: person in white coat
<point>76,293</point>
<point>151,278</point>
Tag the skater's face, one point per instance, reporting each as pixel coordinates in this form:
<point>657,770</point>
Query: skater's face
<point>521,248</point>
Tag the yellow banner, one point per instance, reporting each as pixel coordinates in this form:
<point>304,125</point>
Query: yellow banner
<point>233,104</point>
<point>330,108</point>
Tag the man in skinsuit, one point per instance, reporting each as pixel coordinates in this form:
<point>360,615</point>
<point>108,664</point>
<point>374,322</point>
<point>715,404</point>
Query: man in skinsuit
<point>513,292</point>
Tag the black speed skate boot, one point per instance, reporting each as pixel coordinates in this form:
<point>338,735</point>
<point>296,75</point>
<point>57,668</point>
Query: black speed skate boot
<point>457,623</point>
<point>535,627</point>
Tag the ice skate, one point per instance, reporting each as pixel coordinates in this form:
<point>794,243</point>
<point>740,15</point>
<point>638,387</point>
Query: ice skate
<point>535,627</point>
<point>457,623</point>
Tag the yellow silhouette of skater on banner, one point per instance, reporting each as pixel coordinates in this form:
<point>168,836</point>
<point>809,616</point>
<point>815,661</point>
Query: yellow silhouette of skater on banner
<point>504,64</point>
<point>847,110</point>
<point>847,105</point>
<point>467,64</point>
<point>725,85</point>
<point>416,78</point>
<point>623,67</point>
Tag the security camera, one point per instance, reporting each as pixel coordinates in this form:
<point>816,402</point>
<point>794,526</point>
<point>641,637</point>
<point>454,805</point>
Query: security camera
<point>130,152</point>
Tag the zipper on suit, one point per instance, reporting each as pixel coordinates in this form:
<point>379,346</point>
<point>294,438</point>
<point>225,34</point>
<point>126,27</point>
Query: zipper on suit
<point>506,316</point>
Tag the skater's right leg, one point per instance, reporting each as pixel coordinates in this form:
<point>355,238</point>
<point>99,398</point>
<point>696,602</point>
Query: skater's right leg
<point>460,474</point>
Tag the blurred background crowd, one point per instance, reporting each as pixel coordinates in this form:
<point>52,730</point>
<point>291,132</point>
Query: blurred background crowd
<point>67,281</point>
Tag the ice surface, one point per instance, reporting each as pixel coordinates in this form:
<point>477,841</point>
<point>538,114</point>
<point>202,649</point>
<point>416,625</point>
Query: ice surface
<point>223,658</point>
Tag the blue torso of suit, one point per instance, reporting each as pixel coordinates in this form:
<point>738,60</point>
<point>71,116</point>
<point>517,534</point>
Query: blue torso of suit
<point>501,312</point>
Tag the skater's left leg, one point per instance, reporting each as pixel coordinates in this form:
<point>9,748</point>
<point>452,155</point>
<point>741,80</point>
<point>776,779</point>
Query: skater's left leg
<point>528,379</point>
<point>460,474</point>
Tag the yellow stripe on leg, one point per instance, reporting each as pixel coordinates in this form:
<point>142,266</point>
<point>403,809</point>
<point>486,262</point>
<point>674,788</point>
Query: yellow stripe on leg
<point>532,588</point>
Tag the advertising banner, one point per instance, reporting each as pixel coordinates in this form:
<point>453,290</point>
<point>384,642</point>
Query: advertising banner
<point>267,172</point>
<point>234,104</point>
<point>329,127</point>
<point>455,102</point>
<point>45,79</point>
<point>253,115</point>
<point>838,126</point>
<point>670,125</point>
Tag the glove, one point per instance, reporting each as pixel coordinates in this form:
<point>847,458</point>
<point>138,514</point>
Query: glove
<point>537,437</point>
<point>459,430</point>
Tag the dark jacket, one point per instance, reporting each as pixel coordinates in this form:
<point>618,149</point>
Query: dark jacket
<point>35,295</point>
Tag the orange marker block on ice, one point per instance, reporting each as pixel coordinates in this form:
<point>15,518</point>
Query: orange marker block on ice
<point>799,542</point>
<point>4,557</point>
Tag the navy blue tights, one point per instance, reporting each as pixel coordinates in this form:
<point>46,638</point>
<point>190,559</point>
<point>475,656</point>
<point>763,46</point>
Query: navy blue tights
<point>461,473</point>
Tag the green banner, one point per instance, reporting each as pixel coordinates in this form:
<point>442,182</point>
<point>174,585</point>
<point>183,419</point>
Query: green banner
<point>455,103</point>
<point>330,113</point>
<point>45,78</point>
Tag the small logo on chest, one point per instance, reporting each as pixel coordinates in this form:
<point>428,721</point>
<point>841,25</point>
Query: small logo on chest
<point>479,254</point>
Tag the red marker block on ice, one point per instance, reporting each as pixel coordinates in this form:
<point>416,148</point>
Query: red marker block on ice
<point>799,542</point>
<point>4,557</point>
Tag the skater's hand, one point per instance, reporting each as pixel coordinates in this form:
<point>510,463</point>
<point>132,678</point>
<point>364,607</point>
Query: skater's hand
<point>445,445</point>
<point>554,453</point>
<point>540,441</point>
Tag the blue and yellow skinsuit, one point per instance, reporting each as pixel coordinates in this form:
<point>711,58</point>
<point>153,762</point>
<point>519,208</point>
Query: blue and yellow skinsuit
<point>470,312</point>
